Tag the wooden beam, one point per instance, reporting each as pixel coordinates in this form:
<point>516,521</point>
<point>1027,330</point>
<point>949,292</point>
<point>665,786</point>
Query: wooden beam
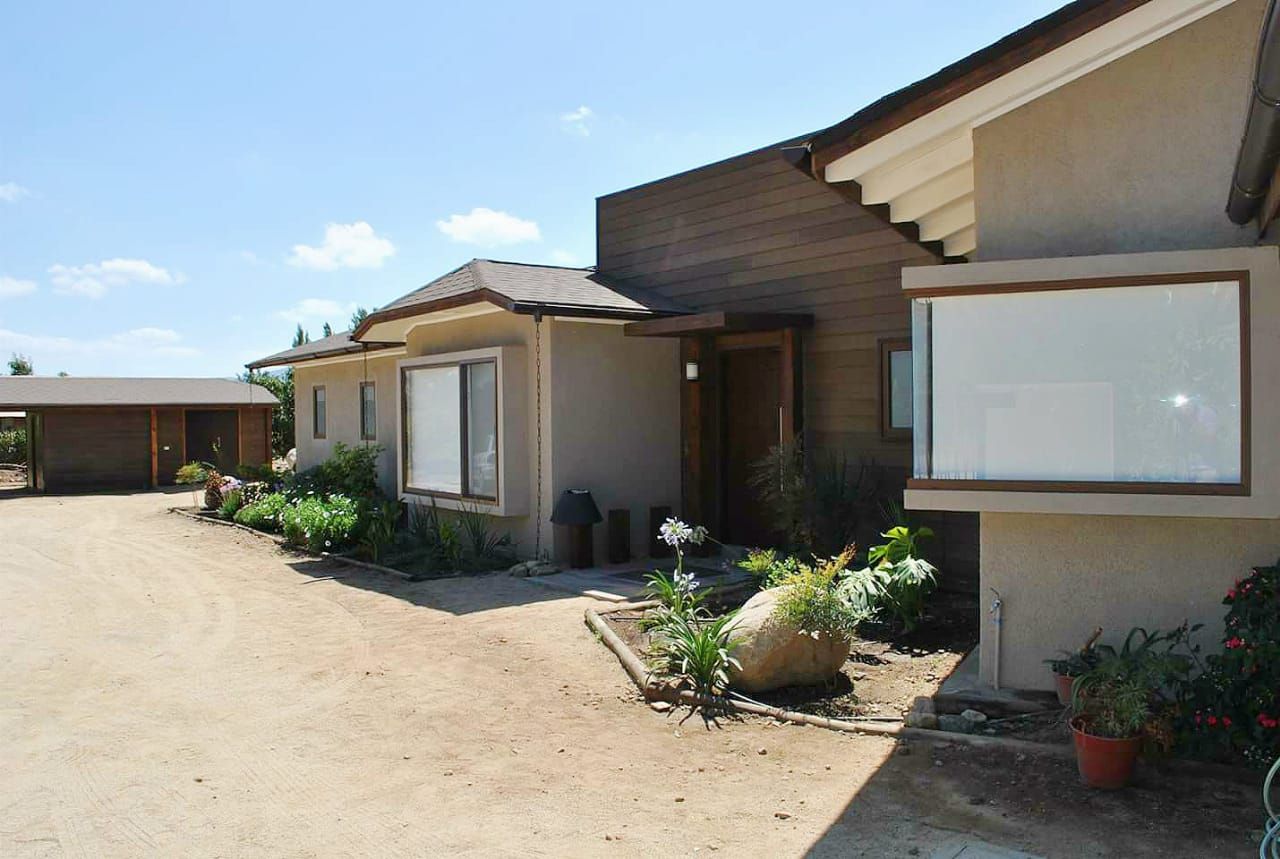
<point>155,455</point>
<point>240,436</point>
<point>716,322</point>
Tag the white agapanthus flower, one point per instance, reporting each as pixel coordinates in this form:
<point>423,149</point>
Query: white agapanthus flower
<point>674,532</point>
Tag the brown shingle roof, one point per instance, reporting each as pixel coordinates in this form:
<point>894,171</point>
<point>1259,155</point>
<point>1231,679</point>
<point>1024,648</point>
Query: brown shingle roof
<point>29,392</point>
<point>326,347</point>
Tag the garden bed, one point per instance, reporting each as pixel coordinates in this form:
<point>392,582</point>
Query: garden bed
<point>884,673</point>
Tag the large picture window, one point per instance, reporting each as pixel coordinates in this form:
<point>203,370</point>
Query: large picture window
<point>1123,386</point>
<point>451,429</point>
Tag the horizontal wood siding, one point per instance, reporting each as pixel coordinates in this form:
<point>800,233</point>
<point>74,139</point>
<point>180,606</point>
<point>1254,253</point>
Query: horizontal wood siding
<point>255,423</point>
<point>755,234</point>
<point>169,428</point>
<point>105,448</point>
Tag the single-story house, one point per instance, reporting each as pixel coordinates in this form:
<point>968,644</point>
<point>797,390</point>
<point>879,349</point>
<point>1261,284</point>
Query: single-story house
<point>1094,383</point>
<point>13,421</point>
<point>111,433</point>
<point>497,387</point>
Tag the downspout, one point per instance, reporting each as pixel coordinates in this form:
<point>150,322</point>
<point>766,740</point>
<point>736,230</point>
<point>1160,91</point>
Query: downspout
<point>1260,145</point>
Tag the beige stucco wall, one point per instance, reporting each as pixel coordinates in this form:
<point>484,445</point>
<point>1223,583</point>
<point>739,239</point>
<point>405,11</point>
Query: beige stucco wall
<point>615,424</point>
<point>1136,156</point>
<point>342,412</point>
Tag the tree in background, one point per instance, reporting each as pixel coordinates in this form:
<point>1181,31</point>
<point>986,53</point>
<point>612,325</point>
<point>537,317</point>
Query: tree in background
<point>20,365</point>
<point>282,423</point>
<point>358,317</point>
<point>300,337</point>
<point>327,331</point>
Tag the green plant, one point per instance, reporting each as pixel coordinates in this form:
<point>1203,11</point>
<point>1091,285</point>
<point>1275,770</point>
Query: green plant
<point>256,473</point>
<point>701,652</point>
<point>13,446</point>
<point>282,418</point>
<point>1231,710</point>
<point>678,593</point>
<point>193,473</point>
<point>1128,690</point>
<point>351,471</point>
<point>321,525</point>
<point>901,579</point>
<point>379,532</point>
<point>483,543</point>
<point>779,482</point>
<point>231,503</point>
<point>760,563</point>
<point>811,600</point>
<point>251,493</point>
<point>1073,663</point>
<point>263,514</point>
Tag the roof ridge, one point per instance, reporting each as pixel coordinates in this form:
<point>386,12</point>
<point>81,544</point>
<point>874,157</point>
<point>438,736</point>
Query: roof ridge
<point>536,264</point>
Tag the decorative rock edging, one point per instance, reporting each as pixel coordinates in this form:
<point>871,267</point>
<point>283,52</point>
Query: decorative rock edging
<point>281,541</point>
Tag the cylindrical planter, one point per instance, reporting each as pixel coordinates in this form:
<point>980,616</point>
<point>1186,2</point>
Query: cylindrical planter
<point>1063,684</point>
<point>1103,762</point>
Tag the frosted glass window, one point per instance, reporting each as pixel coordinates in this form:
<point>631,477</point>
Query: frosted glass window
<point>1106,384</point>
<point>433,429</point>
<point>482,429</point>
<point>900,389</point>
<point>319,412</point>
<point>368,411</point>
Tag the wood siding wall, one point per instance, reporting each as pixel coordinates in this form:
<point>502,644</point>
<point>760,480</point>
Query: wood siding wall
<point>754,234</point>
<point>87,449</point>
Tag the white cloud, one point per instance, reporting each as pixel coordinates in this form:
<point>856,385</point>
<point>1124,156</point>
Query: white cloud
<point>319,310</point>
<point>345,246</point>
<point>156,342</point>
<point>576,121</point>
<point>11,287</point>
<point>489,228</point>
<point>12,192</point>
<point>563,257</point>
<point>94,279</point>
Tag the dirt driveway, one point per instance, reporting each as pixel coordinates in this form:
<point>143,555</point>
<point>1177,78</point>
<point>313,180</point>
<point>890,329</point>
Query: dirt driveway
<point>174,688</point>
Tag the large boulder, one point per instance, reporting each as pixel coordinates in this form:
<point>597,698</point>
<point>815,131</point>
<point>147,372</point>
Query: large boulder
<point>772,654</point>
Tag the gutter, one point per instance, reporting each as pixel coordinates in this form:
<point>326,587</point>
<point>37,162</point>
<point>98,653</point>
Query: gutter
<point>1260,145</point>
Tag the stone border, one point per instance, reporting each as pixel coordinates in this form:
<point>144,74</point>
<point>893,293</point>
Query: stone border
<point>280,541</point>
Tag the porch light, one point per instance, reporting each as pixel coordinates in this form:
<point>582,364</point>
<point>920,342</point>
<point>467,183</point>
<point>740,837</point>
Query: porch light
<point>691,371</point>
<point>577,510</point>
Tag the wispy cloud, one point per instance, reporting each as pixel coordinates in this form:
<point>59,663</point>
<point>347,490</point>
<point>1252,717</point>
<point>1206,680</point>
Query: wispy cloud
<point>489,228</point>
<point>11,287</point>
<point>577,121</point>
<point>563,257</point>
<point>136,342</point>
<point>345,246</point>
<point>12,192</point>
<point>319,310</point>
<point>92,280</point>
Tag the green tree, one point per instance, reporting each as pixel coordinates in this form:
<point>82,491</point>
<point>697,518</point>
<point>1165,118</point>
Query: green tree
<point>327,331</point>
<point>282,421</point>
<point>20,365</point>
<point>300,337</point>
<point>358,317</point>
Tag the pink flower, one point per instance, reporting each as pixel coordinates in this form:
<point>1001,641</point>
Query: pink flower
<point>1213,720</point>
<point>1233,642</point>
<point>1226,721</point>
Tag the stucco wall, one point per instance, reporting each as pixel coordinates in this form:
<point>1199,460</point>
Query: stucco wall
<point>616,424</point>
<point>342,411</point>
<point>1135,156</point>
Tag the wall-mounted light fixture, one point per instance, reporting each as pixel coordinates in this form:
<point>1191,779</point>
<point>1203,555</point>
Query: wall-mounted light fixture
<point>691,371</point>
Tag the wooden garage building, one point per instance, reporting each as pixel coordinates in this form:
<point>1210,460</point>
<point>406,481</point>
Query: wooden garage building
<point>88,434</point>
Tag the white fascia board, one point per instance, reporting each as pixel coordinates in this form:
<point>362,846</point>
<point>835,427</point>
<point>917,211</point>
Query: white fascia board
<point>892,180</point>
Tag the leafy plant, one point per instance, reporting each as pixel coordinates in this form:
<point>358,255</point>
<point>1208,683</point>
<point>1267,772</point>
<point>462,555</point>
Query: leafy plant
<point>899,580</point>
<point>321,525</point>
<point>678,593</point>
<point>256,473</point>
<point>251,493</point>
<point>779,482</point>
<point>483,542</point>
<point>263,514</point>
<point>1073,663</point>
<point>380,530</point>
<point>701,652</point>
<point>13,446</point>
<point>351,471</point>
<point>811,599</point>
<point>760,563</point>
<point>1128,691</point>
<point>1232,709</point>
<point>193,473</point>
<point>231,503</point>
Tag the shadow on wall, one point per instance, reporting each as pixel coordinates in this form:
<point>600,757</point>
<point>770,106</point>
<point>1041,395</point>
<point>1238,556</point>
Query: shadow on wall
<point>456,595</point>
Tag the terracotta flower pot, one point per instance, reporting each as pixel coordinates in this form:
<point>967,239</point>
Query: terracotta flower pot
<point>1063,684</point>
<point>1104,763</point>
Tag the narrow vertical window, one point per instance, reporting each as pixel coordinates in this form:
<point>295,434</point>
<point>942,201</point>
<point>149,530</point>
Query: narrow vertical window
<point>368,412</point>
<point>318,415</point>
<point>896,389</point>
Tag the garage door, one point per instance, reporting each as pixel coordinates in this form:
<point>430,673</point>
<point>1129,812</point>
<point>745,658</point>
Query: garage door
<point>87,449</point>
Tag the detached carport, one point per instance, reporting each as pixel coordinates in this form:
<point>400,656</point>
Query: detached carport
<point>99,433</point>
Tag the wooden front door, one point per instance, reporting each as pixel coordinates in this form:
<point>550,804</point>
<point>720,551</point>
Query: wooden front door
<point>751,422</point>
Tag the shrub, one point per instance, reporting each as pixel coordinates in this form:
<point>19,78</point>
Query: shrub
<point>898,581</point>
<point>251,493</point>
<point>321,525</point>
<point>379,532</point>
<point>1232,710</point>
<point>759,563</point>
<point>811,599</point>
<point>351,471</point>
<point>263,514</point>
<point>701,652</point>
<point>13,446</point>
<point>256,473</point>
<point>193,474</point>
<point>482,542</point>
<point>1127,691</point>
<point>231,503</point>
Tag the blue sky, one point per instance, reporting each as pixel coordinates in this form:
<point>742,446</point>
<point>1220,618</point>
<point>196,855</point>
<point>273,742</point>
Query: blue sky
<point>180,187</point>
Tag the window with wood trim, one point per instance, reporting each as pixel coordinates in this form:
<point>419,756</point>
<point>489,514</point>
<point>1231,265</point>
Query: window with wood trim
<point>450,428</point>
<point>368,411</point>
<point>1136,384</point>
<point>896,388</point>
<point>319,416</point>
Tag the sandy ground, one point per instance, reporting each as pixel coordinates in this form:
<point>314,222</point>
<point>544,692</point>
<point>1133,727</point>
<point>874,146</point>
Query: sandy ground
<point>169,687</point>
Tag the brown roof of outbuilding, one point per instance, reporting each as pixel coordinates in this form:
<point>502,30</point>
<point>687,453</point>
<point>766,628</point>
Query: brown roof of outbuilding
<point>30,392</point>
<point>332,346</point>
<point>528,288</point>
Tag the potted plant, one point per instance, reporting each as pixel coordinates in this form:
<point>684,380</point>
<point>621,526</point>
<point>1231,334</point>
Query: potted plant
<point>1119,701</point>
<point>1071,664</point>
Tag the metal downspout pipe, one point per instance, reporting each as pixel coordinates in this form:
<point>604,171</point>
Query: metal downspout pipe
<point>1260,145</point>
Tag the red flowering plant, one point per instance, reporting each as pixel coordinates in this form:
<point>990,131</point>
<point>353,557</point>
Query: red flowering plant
<point>1231,711</point>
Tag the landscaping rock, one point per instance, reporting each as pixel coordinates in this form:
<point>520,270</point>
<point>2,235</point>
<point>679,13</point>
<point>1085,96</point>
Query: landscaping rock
<point>772,654</point>
<point>923,704</point>
<point>544,569</point>
<point>916,719</point>
<point>975,718</point>
<point>955,724</point>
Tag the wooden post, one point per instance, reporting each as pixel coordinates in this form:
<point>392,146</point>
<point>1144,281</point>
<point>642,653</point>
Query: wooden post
<point>155,455</point>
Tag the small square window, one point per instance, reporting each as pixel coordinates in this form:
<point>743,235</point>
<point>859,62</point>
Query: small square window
<point>368,412</point>
<point>895,389</point>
